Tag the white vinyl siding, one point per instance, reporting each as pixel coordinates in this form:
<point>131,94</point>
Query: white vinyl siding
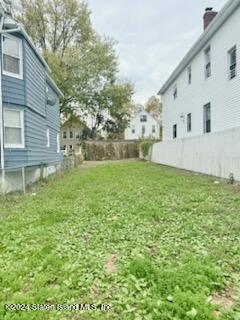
<point>12,56</point>
<point>224,94</point>
<point>13,128</point>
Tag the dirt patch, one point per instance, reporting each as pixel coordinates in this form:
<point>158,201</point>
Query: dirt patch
<point>225,299</point>
<point>110,264</point>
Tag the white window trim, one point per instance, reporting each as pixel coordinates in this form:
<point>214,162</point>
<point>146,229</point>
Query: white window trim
<point>48,137</point>
<point>12,145</point>
<point>11,74</point>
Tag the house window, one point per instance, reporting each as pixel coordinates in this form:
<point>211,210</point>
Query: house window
<point>232,62</point>
<point>58,143</point>
<point>71,135</point>
<point>70,147</point>
<point>174,131</point>
<point>189,122</point>
<point>189,73</point>
<point>143,130</point>
<point>175,92</point>
<point>12,56</point>
<point>48,137</point>
<point>153,129</point>
<point>207,55</point>
<point>143,118</point>
<point>64,135</point>
<point>77,135</point>
<point>14,128</point>
<point>133,129</point>
<point>207,118</point>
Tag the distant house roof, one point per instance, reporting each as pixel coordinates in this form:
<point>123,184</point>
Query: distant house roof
<point>143,111</point>
<point>73,121</point>
<point>214,26</point>
<point>9,25</point>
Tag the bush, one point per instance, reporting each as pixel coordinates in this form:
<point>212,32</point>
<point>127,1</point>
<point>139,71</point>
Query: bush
<point>145,147</point>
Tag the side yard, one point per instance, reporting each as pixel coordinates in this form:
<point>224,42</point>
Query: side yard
<point>150,241</point>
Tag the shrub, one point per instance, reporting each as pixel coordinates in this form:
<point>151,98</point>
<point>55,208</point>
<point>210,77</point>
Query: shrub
<point>145,147</point>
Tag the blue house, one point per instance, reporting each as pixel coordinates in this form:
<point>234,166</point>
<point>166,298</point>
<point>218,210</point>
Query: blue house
<point>29,109</point>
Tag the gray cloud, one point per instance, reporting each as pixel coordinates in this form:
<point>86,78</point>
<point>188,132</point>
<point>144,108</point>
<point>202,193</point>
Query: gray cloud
<point>152,36</point>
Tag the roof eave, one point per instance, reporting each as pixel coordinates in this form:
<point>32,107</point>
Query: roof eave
<point>218,21</point>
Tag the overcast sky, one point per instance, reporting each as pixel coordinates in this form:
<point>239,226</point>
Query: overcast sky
<point>152,35</point>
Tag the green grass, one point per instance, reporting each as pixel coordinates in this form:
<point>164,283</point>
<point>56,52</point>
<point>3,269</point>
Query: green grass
<point>152,242</point>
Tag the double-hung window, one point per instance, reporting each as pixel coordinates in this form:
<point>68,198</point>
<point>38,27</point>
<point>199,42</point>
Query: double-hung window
<point>189,122</point>
<point>12,56</point>
<point>189,74</point>
<point>143,118</point>
<point>13,128</point>
<point>174,131</point>
<point>207,118</point>
<point>207,55</point>
<point>232,62</point>
<point>175,92</point>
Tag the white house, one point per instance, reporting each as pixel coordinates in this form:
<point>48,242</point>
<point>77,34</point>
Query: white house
<point>201,101</point>
<point>202,95</point>
<point>142,125</point>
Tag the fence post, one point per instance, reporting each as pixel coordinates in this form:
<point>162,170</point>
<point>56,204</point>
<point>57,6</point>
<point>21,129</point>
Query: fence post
<point>23,180</point>
<point>3,184</point>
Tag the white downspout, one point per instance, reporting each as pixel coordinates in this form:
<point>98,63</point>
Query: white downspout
<point>1,115</point>
<point>1,106</point>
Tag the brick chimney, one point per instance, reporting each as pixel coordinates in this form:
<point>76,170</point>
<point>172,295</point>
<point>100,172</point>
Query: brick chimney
<point>208,17</point>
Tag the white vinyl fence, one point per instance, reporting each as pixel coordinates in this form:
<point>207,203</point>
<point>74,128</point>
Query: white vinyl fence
<point>216,154</point>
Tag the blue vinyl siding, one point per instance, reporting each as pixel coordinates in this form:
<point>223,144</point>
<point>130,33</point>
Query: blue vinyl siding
<point>13,89</point>
<point>15,157</point>
<point>53,114</point>
<point>35,81</point>
<point>30,94</point>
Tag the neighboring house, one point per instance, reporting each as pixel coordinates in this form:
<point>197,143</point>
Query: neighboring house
<point>29,106</point>
<point>202,95</point>
<point>142,125</point>
<point>71,131</point>
<point>201,101</point>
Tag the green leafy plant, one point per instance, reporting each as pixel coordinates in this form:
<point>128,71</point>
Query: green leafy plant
<point>145,147</point>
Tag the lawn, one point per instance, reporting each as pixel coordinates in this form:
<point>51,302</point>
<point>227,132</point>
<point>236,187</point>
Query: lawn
<point>150,241</point>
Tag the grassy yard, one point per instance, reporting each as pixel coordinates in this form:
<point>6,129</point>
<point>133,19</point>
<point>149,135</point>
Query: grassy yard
<point>152,242</point>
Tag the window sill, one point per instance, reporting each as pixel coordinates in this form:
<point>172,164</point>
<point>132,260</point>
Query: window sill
<point>13,75</point>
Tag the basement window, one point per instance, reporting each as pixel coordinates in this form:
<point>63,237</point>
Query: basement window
<point>12,59</point>
<point>14,128</point>
<point>232,58</point>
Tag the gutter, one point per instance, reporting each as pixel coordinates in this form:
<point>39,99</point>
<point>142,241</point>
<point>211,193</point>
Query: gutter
<point>218,21</point>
